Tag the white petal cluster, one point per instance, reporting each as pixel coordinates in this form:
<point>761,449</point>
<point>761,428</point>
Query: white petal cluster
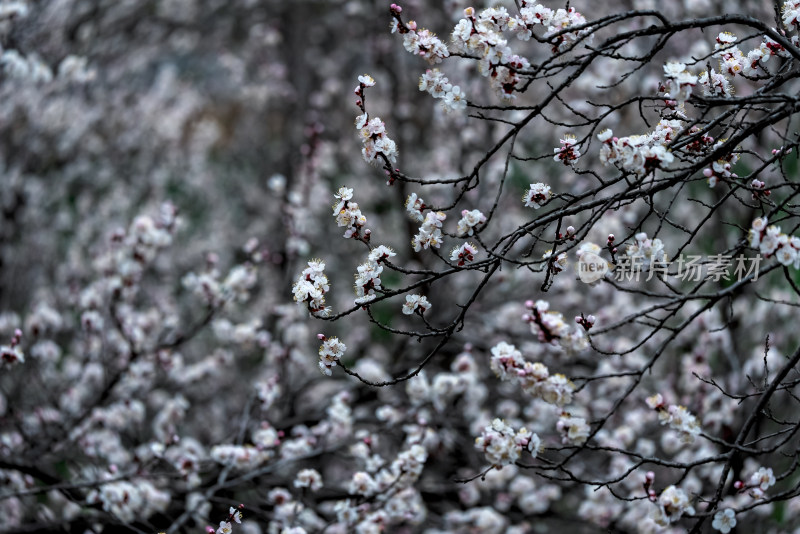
<point>574,430</point>
<point>12,354</point>
<point>502,445</point>
<point>677,417</point>
<point>348,214</point>
<point>215,291</point>
<point>330,352</point>
<point>647,250</point>
<point>76,69</point>
<point>240,280</point>
<point>672,504</point>
<point>137,247</point>
<point>568,152</point>
<point>483,520</point>
<point>392,487</point>
<point>366,80</point>
<point>715,84</point>
<point>381,253</point>
<point>463,254</point>
<point>362,484</point>
<point>561,20</point>
<point>424,43</point>
<point>437,84</point>
<point>470,221</point>
<point>534,378</point>
<point>430,232</point>
<point>733,62</point>
<point>376,145</point>
<point>557,264</point>
<point>721,168</point>
<point>770,241</point>
<point>482,36</point>
<point>679,81</point>
<point>790,11</point>
<point>414,206</point>
<point>680,419</point>
<point>724,520</point>
<point>28,69</point>
<point>311,286</point>
<point>130,501</point>
<point>537,196</point>
<point>368,275</point>
<point>308,478</point>
<point>367,281</point>
<point>760,481</point>
<point>266,437</point>
<point>550,326</point>
<point>414,303</point>
<point>239,457</point>
<point>731,58</point>
<point>640,154</point>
